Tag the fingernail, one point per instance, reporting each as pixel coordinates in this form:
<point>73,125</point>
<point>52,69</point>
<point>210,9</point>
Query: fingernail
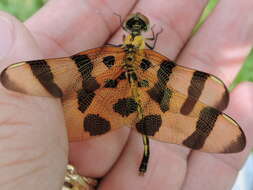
<point>6,29</point>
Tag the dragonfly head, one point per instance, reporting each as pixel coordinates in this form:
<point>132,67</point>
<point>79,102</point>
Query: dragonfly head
<point>136,23</point>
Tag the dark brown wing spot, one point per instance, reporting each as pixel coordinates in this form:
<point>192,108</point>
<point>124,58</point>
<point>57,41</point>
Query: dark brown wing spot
<point>194,91</point>
<point>85,67</point>
<point>41,70</point>
<point>161,95</point>
<point>83,64</point>
<point>89,83</point>
<point>84,99</point>
<point>149,125</point>
<point>223,103</point>
<point>86,94</point>
<point>165,101</point>
<point>96,125</point>
<point>238,145</point>
<point>109,61</point>
<point>165,71</point>
<point>145,64</point>
<point>204,126</point>
<point>125,106</point>
<point>7,83</point>
<point>156,93</point>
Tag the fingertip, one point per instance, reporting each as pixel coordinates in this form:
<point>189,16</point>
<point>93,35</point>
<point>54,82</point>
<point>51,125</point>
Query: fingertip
<point>241,109</point>
<point>241,97</point>
<point>17,44</point>
<point>6,34</point>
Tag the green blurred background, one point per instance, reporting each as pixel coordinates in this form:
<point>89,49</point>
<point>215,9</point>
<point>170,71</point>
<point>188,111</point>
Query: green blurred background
<point>23,9</point>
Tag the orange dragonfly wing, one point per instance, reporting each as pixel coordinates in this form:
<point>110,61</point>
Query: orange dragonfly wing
<point>81,81</point>
<point>183,106</point>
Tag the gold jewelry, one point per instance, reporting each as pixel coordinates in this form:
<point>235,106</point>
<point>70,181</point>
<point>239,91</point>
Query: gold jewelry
<point>73,181</point>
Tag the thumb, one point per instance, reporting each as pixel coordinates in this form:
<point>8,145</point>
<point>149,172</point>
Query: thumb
<point>33,142</point>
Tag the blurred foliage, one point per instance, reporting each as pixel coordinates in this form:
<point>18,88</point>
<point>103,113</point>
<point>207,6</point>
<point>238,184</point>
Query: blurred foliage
<point>23,9</point>
<point>211,5</point>
<point>246,73</point>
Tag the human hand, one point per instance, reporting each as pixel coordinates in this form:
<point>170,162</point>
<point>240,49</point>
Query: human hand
<point>33,138</point>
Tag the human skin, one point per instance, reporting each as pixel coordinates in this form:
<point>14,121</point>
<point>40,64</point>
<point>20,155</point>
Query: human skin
<point>33,141</point>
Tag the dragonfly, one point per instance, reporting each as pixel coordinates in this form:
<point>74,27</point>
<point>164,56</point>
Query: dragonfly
<point>130,84</point>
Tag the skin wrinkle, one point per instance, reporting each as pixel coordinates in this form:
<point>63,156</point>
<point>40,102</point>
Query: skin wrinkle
<point>8,136</point>
<point>20,161</point>
<point>13,132</point>
<point>10,122</point>
<point>24,175</point>
<point>21,148</point>
<point>15,106</point>
<point>18,98</point>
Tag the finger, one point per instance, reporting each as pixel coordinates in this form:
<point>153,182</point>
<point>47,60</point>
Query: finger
<point>223,42</point>
<point>85,24</point>
<point>220,171</point>
<point>32,137</point>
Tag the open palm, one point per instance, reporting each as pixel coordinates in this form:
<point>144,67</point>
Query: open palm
<point>32,133</point>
